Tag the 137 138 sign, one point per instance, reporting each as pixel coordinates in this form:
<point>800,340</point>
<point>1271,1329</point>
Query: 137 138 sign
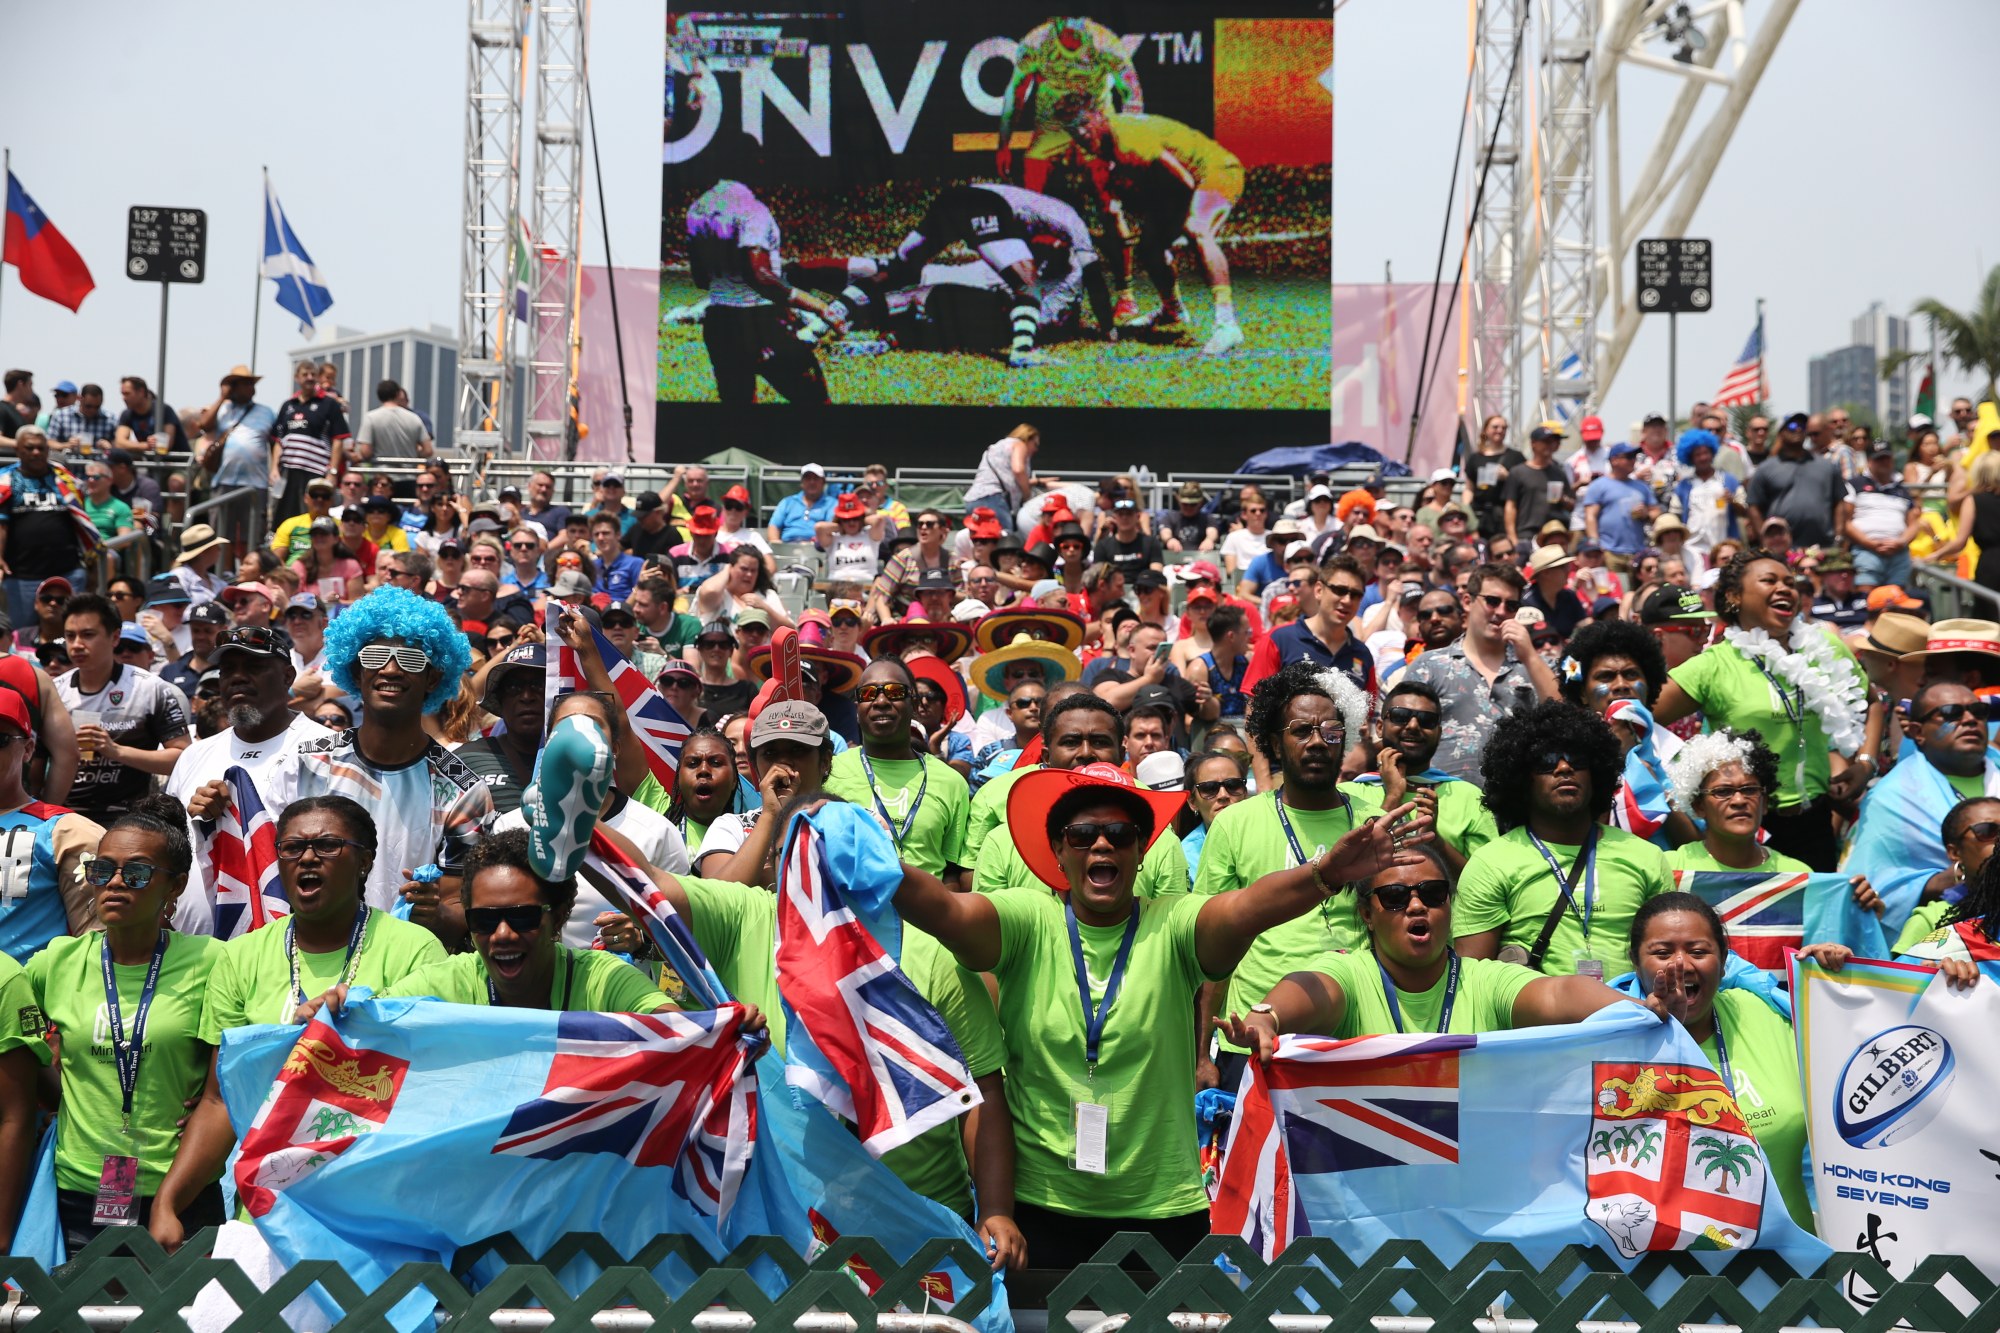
<point>166,244</point>
<point>1675,276</point>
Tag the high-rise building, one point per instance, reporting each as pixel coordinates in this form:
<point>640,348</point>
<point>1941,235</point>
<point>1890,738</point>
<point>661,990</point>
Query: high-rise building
<point>422,361</point>
<point>1851,374</point>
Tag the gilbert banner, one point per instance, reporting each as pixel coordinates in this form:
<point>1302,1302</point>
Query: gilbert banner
<point>1900,1089</point>
<point>1614,1133</point>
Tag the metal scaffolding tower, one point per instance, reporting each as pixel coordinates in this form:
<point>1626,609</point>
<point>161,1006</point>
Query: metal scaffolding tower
<point>561,41</point>
<point>496,76</point>
<point>1493,296</point>
<point>1568,200</point>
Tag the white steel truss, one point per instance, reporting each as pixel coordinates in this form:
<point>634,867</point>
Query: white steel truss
<point>561,41</point>
<point>1568,200</point>
<point>496,73</point>
<point>1493,297</point>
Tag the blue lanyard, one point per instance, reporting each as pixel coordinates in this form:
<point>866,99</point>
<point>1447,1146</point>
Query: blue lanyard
<point>1094,1015</point>
<point>569,978</point>
<point>348,965</point>
<point>124,1051</point>
<point>910,820</point>
<point>1450,994</point>
<point>1589,855</point>
<point>1285,823</point>
<point>1722,1055</point>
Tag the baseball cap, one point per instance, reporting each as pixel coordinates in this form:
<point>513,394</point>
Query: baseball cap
<point>132,634</point>
<point>929,580</point>
<point>1591,428</point>
<point>14,709</point>
<point>1796,421</point>
<point>55,583</point>
<point>1654,419</point>
<point>789,720</point>
<point>1918,421</point>
<point>1202,594</point>
<point>751,616</point>
<point>969,610</point>
<point>1836,562</point>
<point>1319,493</point>
<point>65,386</point>
<point>1881,449</point>
<point>570,583</point>
<point>647,502</point>
<point>510,492</point>
<point>1155,699</point>
<point>704,521</point>
<point>1670,605</point>
<point>737,495</point>
<point>1363,533</point>
<point>676,667</point>
<point>1191,493</point>
<point>327,525</point>
<point>618,609</point>
<point>256,640</point>
<point>521,657</point>
<point>1890,597</point>
<point>1443,474</point>
<point>812,470</point>
<point>612,479</point>
<point>1163,771</point>
<point>1199,570</point>
<point>319,486</point>
<point>208,613</point>
<point>1548,430</point>
<point>717,629</point>
<point>304,601</point>
<point>380,502</point>
<point>1623,449</point>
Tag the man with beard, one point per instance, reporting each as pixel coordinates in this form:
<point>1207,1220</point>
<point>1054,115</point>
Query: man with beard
<point>1491,671</point>
<point>514,694</point>
<point>923,801</point>
<point>255,676</point>
<point>1412,726</point>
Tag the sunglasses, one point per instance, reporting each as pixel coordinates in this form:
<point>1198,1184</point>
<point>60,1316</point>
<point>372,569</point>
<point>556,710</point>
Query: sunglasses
<point>1343,591</point>
<point>100,871</point>
<point>1431,893</point>
<point>1548,761</point>
<point>893,691</point>
<point>1438,613</point>
<point>1208,791</point>
<point>325,847</point>
<point>929,523</point>
<point>1035,702</point>
<point>1120,833</point>
<point>523,920</point>
<point>1505,605</point>
<point>334,720</point>
<point>521,546</point>
<point>1422,717</point>
<point>1333,733</point>
<point>1978,710</point>
<point>849,622</point>
<point>499,642</point>
<point>1985,830</point>
<point>407,656</point>
<point>1730,793</point>
<point>51,599</point>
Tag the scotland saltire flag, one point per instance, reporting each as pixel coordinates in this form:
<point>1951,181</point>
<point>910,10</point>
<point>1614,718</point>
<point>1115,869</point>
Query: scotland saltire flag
<point>243,861</point>
<point>301,290</point>
<point>1766,916</point>
<point>1613,1132</point>
<point>860,1036</point>
<point>659,728</point>
<point>621,881</point>
<point>405,1129</point>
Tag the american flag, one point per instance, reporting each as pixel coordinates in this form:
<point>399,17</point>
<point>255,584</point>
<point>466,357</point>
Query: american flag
<point>621,881</point>
<point>1744,384</point>
<point>668,1089</point>
<point>889,1063</point>
<point>1329,1106</point>
<point>653,720</point>
<point>243,862</point>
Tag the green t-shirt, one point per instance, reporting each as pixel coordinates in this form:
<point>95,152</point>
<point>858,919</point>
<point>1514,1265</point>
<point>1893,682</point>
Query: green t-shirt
<point>736,924</point>
<point>1969,786</point>
<point>653,796</point>
<point>22,1026</point>
<point>110,516</point>
<point>1923,923</point>
<point>1696,856</point>
<point>1764,1065</point>
<point>1507,886</point>
<point>1731,692</point>
<point>989,809</point>
<point>1463,821</point>
<point>1485,1002</point>
<point>594,981</point>
<point>1145,1067</point>
<point>937,837</point>
<point>252,978</point>
<point>68,981</point>
<point>1244,844</point>
<point>1164,869</point>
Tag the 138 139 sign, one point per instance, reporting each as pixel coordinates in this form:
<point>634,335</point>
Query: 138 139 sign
<point>166,244</point>
<point>1675,275</point>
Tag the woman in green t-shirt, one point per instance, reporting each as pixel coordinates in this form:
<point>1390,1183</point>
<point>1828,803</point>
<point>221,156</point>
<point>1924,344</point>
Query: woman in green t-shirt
<point>704,788</point>
<point>1723,778</point>
<point>1794,683</point>
<point>1097,998</point>
<point>1410,979</point>
<point>1680,952</point>
<point>126,1083</point>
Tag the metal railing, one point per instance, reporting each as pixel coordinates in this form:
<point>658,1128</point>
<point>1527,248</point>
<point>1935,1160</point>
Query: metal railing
<point>1952,596</point>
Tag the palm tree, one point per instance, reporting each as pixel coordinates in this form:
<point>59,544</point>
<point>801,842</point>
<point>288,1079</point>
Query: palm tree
<point>1971,337</point>
<point>1649,1146</point>
<point>1731,1159</point>
<point>1600,1144</point>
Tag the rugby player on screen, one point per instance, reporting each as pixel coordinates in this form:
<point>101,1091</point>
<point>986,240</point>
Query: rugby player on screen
<point>1175,180</point>
<point>748,327</point>
<point>1058,58</point>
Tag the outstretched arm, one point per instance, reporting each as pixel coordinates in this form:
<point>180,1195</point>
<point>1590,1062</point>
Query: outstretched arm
<point>965,922</point>
<point>1549,1000</point>
<point>1300,1002</point>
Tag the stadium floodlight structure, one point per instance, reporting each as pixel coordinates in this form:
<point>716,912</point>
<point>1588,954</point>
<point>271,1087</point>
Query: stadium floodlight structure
<point>1493,295</point>
<point>1567,228</point>
<point>495,78</point>
<point>561,44</point>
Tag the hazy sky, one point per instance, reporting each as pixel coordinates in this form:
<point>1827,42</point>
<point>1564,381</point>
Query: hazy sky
<point>1853,177</point>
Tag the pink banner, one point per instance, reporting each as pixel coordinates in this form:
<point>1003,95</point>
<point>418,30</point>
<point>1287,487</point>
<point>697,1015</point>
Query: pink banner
<point>600,405</point>
<point>1378,347</point>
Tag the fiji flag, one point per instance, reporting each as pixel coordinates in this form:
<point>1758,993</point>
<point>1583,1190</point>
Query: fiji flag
<point>659,728</point>
<point>860,1036</point>
<point>301,290</point>
<point>50,266</point>
<point>1613,1133</point>
<point>1766,916</point>
<point>243,862</point>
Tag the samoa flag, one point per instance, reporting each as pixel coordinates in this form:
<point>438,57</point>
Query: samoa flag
<point>243,862</point>
<point>50,266</point>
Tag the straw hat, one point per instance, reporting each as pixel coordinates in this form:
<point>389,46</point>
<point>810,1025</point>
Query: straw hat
<point>1058,665</point>
<point>197,538</point>
<point>1548,557</point>
<point>1957,636</point>
<point>891,640</point>
<point>838,672</point>
<point>1894,636</point>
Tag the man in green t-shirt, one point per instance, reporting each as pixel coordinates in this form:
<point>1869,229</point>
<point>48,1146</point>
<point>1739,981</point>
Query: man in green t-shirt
<point>1412,725</point>
<point>1559,889</point>
<point>923,800</point>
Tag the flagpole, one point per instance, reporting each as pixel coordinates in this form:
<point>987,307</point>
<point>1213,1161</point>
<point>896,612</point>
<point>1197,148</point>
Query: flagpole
<point>257,305</point>
<point>1763,354</point>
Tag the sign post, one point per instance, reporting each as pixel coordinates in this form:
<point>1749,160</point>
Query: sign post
<point>165,245</point>
<point>1675,276</point>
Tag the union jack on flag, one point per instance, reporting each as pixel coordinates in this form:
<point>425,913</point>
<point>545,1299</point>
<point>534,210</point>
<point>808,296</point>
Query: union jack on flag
<point>862,1038</point>
<point>1744,384</point>
<point>622,881</point>
<point>243,862</point>
<point>668,1089</point>
<point>659,728</point>
<point>1763,916</point>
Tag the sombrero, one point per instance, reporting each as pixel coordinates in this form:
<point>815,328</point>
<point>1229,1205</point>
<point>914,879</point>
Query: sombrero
<point>939,673</point>
<point>1033,796</point>
<point>1058,664</point>
<point>891,640</point>
<point>838,672</point>
<point>1959,636</point>
<point>1063,628</point>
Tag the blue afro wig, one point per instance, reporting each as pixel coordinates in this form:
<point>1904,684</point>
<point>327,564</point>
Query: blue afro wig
<point>1693,439</point>
<point>396,613</point>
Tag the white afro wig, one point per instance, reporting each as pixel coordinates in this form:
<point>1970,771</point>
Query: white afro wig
<point>1701,756</point>
<point>1351,700</point>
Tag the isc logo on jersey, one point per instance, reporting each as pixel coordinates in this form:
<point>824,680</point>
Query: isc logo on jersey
<point>1893,1085</point>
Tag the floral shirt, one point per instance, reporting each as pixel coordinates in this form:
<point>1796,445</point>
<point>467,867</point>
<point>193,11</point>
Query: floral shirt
<point>1471,706</point>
